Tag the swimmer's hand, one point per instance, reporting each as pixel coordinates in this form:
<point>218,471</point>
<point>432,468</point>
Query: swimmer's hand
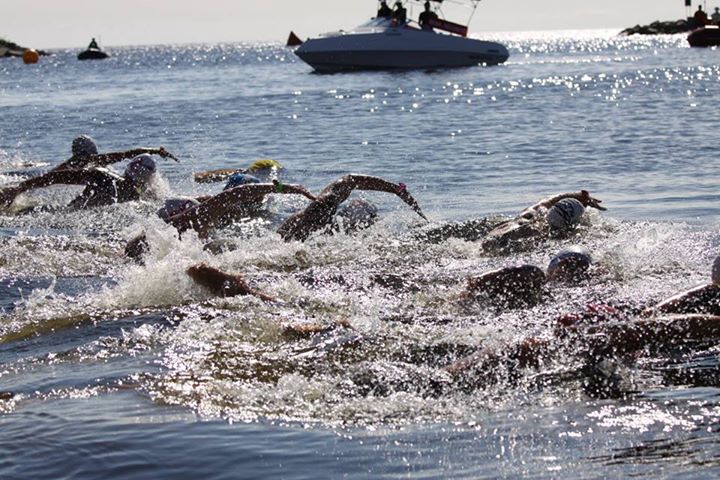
<point>401,191</point>
<point>298,189</point>
<point>165,154</point>
<point>589,201</point>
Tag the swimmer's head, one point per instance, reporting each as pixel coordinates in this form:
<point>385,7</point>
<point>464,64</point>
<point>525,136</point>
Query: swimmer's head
<point>570,264</point>
<point>141,169</point>
<point>237,179</point>
<point>716,270</point>
<point>84,146</point>
<point>357,214</point>
<point>264,169</point>
<point>565,214</point>
<point>175,206</point>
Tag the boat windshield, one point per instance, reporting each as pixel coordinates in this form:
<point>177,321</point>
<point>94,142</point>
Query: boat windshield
<point>376,22</point>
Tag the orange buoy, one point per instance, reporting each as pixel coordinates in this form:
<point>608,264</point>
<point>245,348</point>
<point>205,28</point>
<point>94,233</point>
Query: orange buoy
<point>30,56</point>
<point>293,40</point>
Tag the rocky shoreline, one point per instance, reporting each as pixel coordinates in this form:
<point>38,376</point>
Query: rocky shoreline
<point>661,28</point>
<point>11,49</point>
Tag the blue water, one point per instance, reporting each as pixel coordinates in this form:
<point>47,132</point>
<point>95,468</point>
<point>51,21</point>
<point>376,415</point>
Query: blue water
<point>116,370</point>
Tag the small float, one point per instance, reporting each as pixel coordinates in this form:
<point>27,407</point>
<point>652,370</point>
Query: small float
<point>93,52</point>
<point>707,36</point>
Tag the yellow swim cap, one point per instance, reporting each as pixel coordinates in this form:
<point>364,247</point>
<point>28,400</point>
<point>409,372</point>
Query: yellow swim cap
<point>265,163</point>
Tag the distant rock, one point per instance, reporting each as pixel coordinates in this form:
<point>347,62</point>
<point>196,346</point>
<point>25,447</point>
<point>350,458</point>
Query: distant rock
<point>660,28</point>
<point>11,49</point>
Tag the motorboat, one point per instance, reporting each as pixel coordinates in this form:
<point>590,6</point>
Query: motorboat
<point>707,36</point>
<point>391,43</point>
<point>93,52</point>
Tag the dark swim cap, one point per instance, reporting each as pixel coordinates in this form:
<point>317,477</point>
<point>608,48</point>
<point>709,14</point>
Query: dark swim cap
<point>175,206</point>
<point>569,264</point>
<point>358,214</point>
<point>84,146</point>
<point>565,214</point>
<point>237,179</point>
<point>140,169</point>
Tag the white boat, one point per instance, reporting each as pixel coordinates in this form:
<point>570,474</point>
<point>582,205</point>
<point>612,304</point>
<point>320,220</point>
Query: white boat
<point>385,43</point>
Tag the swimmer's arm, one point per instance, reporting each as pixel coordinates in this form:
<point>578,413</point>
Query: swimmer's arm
<point>659,332</point>
<point>105,159</point>
<point>55,177</point>
<point>367,182</point>
<point>202,217</point>
<point>217,175</point>
<point>293,189</point>
<point>257,191</point>
<point>696,300</point>
<point>60,177</point>
<point>583,196</point>
<point>483,365</point>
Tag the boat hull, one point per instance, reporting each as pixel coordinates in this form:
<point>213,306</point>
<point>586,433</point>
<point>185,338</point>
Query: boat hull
<point>92,55</point>
<point>398,48</point>
<point>705,37</point>
<point>398,59</point>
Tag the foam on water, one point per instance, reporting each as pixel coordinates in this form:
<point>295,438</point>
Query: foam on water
<point>234,360</point>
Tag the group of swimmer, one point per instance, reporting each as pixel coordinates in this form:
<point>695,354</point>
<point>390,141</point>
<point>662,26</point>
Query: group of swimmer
<point>399,14</point>
<point>602,329</point>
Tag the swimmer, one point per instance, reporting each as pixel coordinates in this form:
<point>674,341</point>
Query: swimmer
<point>525,284</point>
<point>227,285</point>
<point>504,232</point>
<point>599,334</point>
<point>469,230</point>
<point>319,214</point>
<point>85,154</point>
<point>102,187</point>
<point>178,205</point>
<point>223,284</point>
<point>207,213</point>
<point>264,169</point>
<point>704,299</point>
<point>553,216</point>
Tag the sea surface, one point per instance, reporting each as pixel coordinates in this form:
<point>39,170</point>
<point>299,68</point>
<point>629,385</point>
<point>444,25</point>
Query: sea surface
<point>113,369</point>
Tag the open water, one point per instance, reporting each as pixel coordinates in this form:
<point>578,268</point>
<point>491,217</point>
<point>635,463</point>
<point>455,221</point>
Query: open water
<point>109,369</point>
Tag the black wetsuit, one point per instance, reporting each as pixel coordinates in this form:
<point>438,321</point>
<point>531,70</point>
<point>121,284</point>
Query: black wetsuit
<point>105,188</point>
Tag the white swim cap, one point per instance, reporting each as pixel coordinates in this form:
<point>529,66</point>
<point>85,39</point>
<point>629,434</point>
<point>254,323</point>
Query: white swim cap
<point>84,146</point>
<point>569,263</point>
<point>358,214</point>
<point>140,169</point>
<point>716,270</point>
<point>175,206</point>
<point>565,214</point>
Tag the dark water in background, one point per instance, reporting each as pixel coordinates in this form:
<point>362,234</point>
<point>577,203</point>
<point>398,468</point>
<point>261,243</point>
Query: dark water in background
<point>114,369</point>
